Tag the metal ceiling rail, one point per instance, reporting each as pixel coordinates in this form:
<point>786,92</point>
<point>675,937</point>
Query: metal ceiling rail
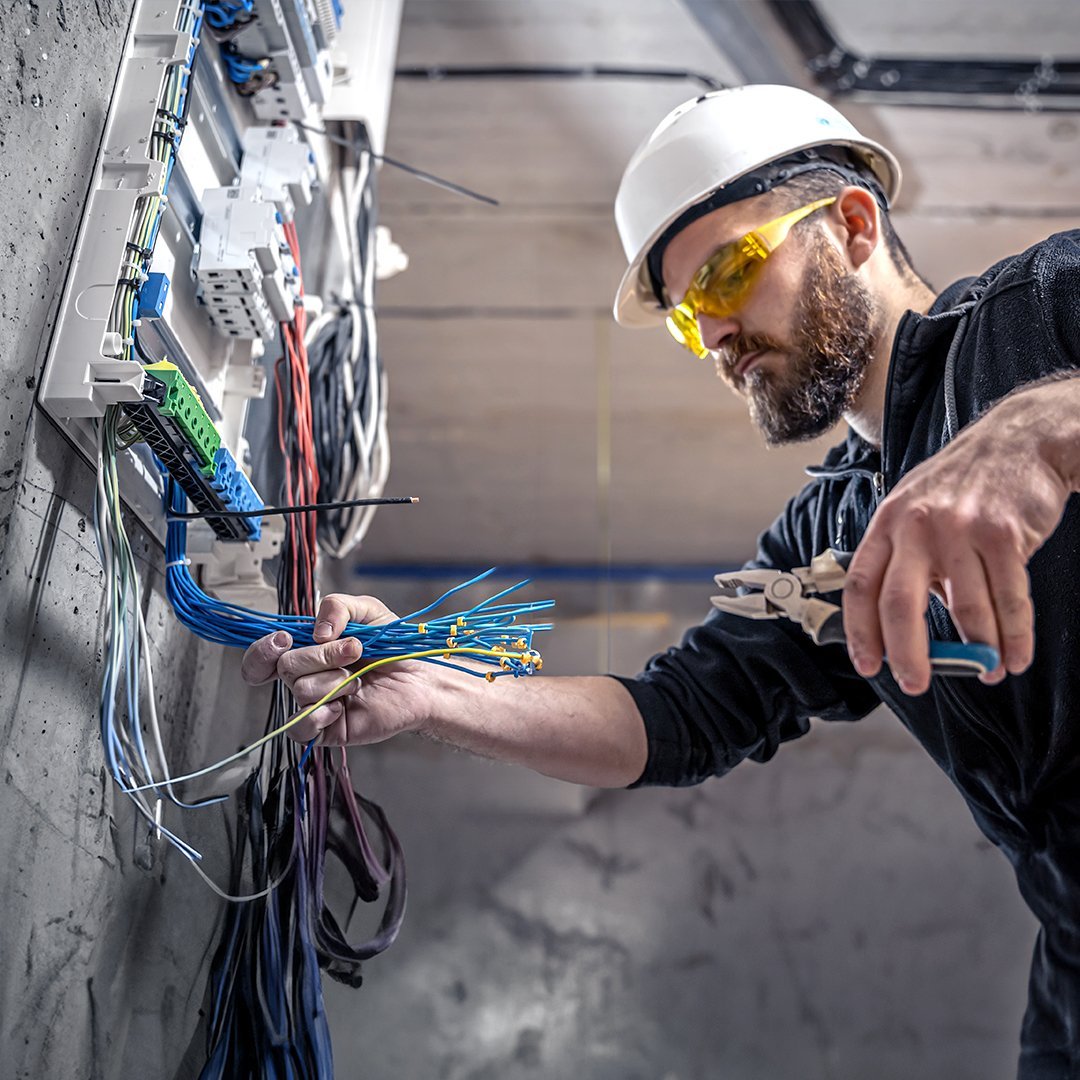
<point>1047,83</point>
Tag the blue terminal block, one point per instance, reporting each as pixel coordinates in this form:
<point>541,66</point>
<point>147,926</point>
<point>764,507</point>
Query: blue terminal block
<point>152,296</point>
<point>236,490</point>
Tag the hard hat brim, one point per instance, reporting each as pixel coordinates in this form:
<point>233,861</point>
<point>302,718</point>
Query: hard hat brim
<point>636,305</point>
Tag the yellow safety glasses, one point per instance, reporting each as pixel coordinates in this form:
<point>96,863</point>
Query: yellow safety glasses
<point>724,282</point>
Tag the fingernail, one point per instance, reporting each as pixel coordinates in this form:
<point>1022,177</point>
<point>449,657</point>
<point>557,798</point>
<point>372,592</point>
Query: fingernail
<point>323,628</point>
<point>281,640</point>
<point>350,649</point>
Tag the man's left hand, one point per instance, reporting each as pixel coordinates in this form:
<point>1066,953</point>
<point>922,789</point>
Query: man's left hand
<point>963,525</point>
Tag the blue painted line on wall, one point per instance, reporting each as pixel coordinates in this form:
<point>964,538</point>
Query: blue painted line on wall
<point>690,573</point>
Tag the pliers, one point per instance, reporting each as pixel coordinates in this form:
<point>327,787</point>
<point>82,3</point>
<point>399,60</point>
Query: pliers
<point>773,594</point>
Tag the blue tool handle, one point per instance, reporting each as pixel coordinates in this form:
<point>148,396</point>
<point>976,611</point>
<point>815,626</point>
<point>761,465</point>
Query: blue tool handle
<point>957,658</point>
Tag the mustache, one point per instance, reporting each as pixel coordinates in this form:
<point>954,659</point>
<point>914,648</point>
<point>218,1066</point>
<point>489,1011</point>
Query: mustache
<point>729,355</point>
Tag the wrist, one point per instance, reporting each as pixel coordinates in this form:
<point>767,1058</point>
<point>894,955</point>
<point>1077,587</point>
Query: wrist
<point>1050,414</point>
<point>447,693</point>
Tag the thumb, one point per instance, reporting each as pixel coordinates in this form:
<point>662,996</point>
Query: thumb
<point>259,664</point>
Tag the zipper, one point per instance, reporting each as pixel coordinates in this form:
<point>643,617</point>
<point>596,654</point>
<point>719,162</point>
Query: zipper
<point>890,382</point>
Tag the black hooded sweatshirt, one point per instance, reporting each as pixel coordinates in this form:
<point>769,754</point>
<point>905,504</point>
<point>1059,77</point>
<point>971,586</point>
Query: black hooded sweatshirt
<point>737,688</point>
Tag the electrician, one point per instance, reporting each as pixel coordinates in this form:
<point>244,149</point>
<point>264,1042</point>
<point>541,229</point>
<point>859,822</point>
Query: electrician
<point>953,483</point>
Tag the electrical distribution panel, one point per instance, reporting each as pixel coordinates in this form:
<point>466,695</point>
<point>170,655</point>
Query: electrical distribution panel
<point>268,87</point>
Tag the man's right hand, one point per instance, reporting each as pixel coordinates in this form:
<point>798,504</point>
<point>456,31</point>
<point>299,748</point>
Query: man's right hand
<point>391,700</point>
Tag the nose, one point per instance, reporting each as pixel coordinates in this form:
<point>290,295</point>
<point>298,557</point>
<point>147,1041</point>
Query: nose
<point>716,332</point>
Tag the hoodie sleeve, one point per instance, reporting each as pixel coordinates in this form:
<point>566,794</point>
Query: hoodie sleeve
<point>736,688</point>
<point>1058,293</point>
<point>1025,326</point>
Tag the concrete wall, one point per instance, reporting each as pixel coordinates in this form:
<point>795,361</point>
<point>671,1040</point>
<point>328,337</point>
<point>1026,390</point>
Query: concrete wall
<point>103,965</point>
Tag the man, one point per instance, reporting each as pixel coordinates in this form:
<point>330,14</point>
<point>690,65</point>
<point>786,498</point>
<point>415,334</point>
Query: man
<point>755,223</point>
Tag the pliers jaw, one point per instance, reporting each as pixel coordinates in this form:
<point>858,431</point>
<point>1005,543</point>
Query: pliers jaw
<point>755,602</point>
<point>774,594</point>
<point>781,595</point>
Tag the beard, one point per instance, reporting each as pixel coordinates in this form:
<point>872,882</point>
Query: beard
<point>833,343</point>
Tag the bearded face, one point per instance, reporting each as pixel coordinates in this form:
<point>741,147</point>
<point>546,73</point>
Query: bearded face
<point>832,344</point>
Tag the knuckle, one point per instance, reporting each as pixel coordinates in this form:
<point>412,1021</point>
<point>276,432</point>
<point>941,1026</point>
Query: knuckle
<point>371,606</point>
<point>324,715</point>
<point>987,531</point>
<point>969,609</point>
<point>893,507</point>
<point>286,666</point>
<point>302,691</point>
<point>896,602</point>
<point>326,654</point>
<point>918,515</point>
<point>1014,605</point>
<point>257,663</point>
<point>310,688</point>
<point>857,584</point>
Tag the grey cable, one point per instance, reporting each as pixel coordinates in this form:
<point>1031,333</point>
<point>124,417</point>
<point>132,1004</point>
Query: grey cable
<point>951,425</point>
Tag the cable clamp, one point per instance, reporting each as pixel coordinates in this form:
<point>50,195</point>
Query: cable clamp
<point>185,561</point>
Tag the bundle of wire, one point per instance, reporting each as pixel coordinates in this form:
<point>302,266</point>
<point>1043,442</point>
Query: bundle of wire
<point>261,1026</point>
<point>488,625</point>
<point>127,664</point>
<point>348,385</point>
<point>277,1026</point>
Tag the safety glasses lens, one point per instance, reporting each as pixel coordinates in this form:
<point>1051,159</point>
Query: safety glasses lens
<point>724,283</point>
<point>683,326</point>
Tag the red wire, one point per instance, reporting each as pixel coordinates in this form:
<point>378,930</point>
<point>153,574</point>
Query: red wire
<point>302,483</point>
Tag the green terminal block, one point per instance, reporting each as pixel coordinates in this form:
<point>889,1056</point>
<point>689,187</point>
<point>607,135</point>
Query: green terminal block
<point>184,407</point>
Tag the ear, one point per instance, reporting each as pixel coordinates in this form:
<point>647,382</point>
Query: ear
<point>856,218</point>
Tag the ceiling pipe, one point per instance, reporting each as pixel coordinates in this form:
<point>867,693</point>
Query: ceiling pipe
<point>981,83</point>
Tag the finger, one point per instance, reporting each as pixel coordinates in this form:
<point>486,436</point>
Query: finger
<point>905,594</point>
<point>336,733</point>
<point>967,596</point>
<point>314,658</point>
<point>1010,591</point>
<point>311,688</point>
<point>260,661</point>
<point>971,608</point>
<point>307,729</point>
<point>338,609</point>
<point>862,586</point>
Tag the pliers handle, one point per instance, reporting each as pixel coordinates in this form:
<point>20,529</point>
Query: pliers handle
<point>772,594</point>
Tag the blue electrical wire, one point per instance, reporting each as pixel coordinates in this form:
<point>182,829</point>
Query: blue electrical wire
<point>223,14</point>
<point>486,625</point>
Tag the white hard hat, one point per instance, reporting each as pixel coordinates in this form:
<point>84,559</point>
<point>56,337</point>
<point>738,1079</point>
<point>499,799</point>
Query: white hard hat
<point>705,144</point>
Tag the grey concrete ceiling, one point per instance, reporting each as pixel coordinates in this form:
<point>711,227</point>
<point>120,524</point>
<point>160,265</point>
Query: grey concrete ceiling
<point>530,425</point>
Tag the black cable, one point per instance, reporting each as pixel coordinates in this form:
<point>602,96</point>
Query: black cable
<point>420,174</point>
<point>435,73</point>
<point>309,508</point>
